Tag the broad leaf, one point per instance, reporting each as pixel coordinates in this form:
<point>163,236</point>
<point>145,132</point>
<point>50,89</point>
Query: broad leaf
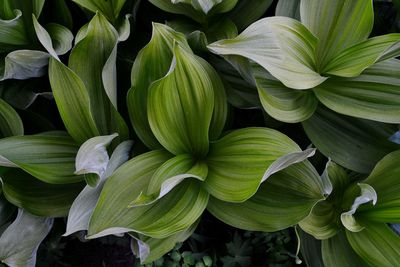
<point>110,8</point>
<point>347,141</point>
<point>48,158</point>
<point>180,106</point>
<point>283,46</point>
<point>20,241</point>
<point>288,8</point>
<point>336,251</point>
<point>377,245</point>
<point>373,95</point>
<point>338,24</point>
<point>10,122</point>
<point>24,64</point>
<point>151,64</point>
<point>283,200</point>
<point>238,162</point>
<point>36,197</point>
<point>171,214</point>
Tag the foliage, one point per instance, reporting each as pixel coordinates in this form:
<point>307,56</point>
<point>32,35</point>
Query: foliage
<point>322,75</point>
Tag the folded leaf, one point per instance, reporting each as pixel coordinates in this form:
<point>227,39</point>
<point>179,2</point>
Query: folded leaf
<point>24,64</point>
<point>36,197</point>
<point>347,141</point>
<point>171,214</point>
<point>377,245</point>
<point>283,46</point>
<point>338,24</point>
<point>20,241</point>
<point>283,200</point>
<point>282,103</point>
<point>336,251</point>
<point>48,158</point>
<point>180,106</point>
<point>10,122</point>
<point>151,64</point>
<point>238,162</point>
<point>373,95</point>
<point>355,59</point>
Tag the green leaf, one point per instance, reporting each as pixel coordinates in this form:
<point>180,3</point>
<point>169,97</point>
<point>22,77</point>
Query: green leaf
<point>84,204</point>
<point>7,211</point>
<point>49,158</point>
<point>36,197</point>
<point>110,8</point>
<point>73,102</point>
<point>310,249</point>
<point>288,8</point>
<point>384,179</point>
<point>338,24</point>
<point>283,200</point>
<point>20,241</point>
<point>171,214</point>
<point>180,106</point>
<point>336,251</point>
<point>355,59</point>
<point>10,122</point>
<point>238,162</point>
<point>354,150</point>
<point>248,11</point>
<point>377,245</point>
<point>282,103</point>
<point>12,31</point>
<point>151,64</point>
<point>283,46</point>
<point>44,37</point>
<point>92,157</point>
<point>373,95</point>
<point>150,249</point>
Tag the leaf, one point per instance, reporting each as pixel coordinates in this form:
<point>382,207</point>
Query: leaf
<point>282,103</point>
<point>288,8</point>
<point>377,245</point>
<point>24,64</point>
<point>151,64</point>
<point>61,38</point>
<point>92,157</point>
<point>13,32</point>
<point>238,161</point>
<point>367,195</point>
<point>373,95</point>
<point>336,251</point>
<point>310,249</point>
<point>186,98</point>
<point>36,197</point>
<point>84,204</point>
<point>168,176</point>
<point>282,46</point>
<point>20,241</point>
<point>355,59</point>
<point>386,184</point>
<point>10,122</point>
<point>44,37</point>
<point>283,200</point>
<point>73,102</point>
<point>338,24</point>
<point>354,150</point>
<point>173,213</point>
<point>7,211</point>
<point>248,11</point>
<point>48,158</point>
<point>110,8</point>
<point>150,249</point>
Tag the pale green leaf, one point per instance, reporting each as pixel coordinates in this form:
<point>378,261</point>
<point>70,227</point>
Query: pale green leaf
<point>282,103</point>
<point>44,37</point>
<point>36,197</point>
<point>61,38</point>
<point>355,59</point>
<point>180,105</point>
<point>238,161</point>
<point>377,245</point>
<point>84,204</point>
<point>281,45</point>
<point>373,95</point>
<point>20,241</point>
<point>92,157</point>
<point>338,24</point>
<point>347,141</point>
<point>151,64</point>
<point>24,64</point>
<point>288,8</point>
<point>283,200</point>
<point>336,251</point>
<point>10,122</point>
